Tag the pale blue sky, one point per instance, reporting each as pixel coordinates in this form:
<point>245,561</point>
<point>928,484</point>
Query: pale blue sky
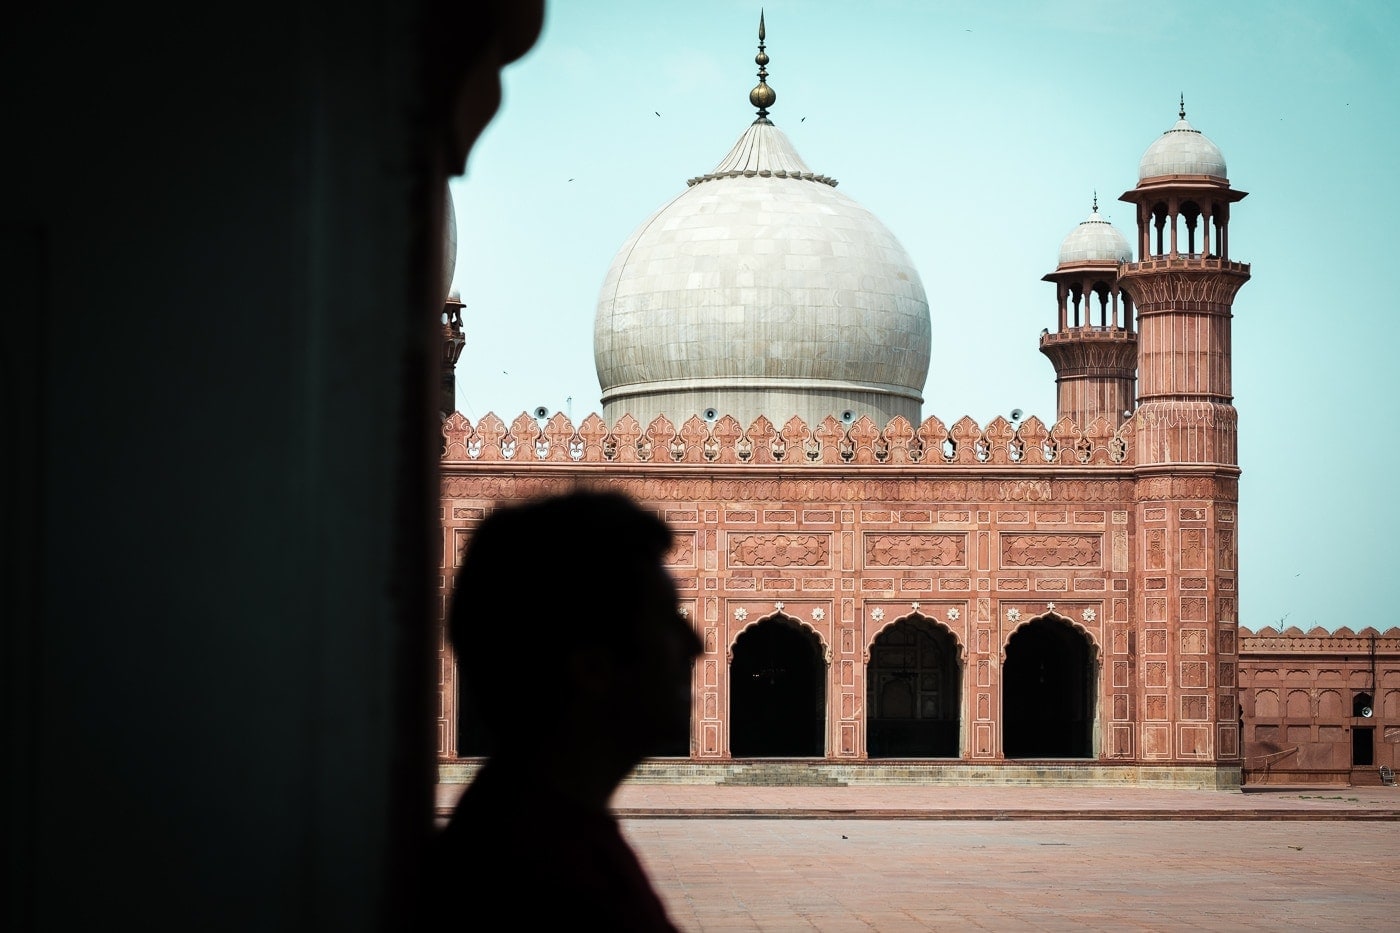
<point>978,133</point>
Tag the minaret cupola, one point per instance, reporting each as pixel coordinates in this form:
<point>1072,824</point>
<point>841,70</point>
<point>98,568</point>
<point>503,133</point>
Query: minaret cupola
<point>1093,347</point>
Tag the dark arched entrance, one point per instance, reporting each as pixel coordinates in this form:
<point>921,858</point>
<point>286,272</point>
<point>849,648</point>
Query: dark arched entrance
<point>777,695</point>
<point>1048,692</point>
<point>913,692</point>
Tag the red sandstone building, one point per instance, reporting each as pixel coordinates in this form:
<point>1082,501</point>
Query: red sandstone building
<point>884,596</point>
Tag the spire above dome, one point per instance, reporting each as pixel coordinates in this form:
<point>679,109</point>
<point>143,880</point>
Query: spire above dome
<point>763,150</point>
<point>762,96</point>
<point>1182,150</point>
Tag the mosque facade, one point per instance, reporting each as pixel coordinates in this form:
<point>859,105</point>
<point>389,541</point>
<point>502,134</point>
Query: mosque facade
<point>885,596</point>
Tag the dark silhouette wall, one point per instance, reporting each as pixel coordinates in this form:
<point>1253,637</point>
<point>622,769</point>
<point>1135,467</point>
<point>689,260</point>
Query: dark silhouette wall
<point>221,237</point>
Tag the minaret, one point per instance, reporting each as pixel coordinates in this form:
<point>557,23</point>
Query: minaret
<point>453,340</point>
<point>1184,285</point>
<point>1094,347</point>
<point>1186,463</point>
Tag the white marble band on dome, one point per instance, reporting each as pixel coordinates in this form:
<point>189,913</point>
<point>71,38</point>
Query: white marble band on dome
<point>700,385</point>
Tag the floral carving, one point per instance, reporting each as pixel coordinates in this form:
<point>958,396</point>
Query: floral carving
<point>779,550</point>
<point>741,614</point>
<point>918,549</point>
<point>1035,550</point>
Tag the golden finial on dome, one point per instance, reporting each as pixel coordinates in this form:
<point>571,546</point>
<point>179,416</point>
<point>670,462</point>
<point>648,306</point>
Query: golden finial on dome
<point>1096,201</point>
<point>762,96</point>
<point>1182,112</point>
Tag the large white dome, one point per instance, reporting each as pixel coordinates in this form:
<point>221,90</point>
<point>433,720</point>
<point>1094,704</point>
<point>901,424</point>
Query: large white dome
<point>761,289</point>
<point>449,248</point>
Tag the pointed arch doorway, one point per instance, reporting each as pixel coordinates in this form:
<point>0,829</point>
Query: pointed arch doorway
<point>1049,681</point>
<point>913,696</point>
<point>777,692</point>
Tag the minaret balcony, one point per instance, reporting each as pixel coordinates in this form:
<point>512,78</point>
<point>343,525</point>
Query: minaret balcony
<point>1184,261</point>
<point>1097,333</point>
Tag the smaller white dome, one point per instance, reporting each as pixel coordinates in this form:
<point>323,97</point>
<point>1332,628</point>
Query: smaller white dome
<point>1095,240</point>
<point>1182,150</point>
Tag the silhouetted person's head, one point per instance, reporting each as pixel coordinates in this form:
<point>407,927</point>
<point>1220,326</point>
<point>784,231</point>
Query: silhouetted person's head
<point>565,625</point>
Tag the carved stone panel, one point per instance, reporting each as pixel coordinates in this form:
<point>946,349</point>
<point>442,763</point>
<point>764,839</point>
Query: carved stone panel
<point>1156,742</point>
<point>1194,674</point>
<point>915,549</point>
<point>780,550</point>
<point>1194,741</point>
<point>1225,550</point>
<point>1156,540</point>
<point>1051,550</point>
<point>1193,608</point>
<point>1193,641</point>
<point>1193,549</point>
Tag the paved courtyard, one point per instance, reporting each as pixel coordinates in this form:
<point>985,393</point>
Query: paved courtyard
<point>1016,857</point>
<point>916,874</point>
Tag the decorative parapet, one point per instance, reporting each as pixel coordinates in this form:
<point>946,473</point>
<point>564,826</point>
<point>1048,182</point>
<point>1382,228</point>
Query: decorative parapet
<point>556,440</point>
<point>1294,640</point>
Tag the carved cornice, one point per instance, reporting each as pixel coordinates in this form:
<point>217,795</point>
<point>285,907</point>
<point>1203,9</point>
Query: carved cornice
<point>1182,284</point>
<point>1028,445</point>
<point>1162,488</point>
<point>1294,640</point>
<point>500,485</point>
<point>1113,359</point>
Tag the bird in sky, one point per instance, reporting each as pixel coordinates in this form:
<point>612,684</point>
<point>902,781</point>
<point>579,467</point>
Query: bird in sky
<point>657,112</point>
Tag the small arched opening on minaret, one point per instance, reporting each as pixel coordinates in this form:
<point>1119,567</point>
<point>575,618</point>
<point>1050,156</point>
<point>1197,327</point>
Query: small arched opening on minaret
<point>1190,213</point>
<point>1107,315</point>
<point>1160,216</point>
<point>1076,303</point>
<point>777,691</point>
<point>913,691</point>
<point>1049,683</point>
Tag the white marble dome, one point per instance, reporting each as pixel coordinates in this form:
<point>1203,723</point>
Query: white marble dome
<point>1095,240</point>
<point>761,289</point>
<point>1182,150</point>
<point>449,248</point>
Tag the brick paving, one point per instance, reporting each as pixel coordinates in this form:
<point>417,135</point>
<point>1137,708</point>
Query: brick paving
<point>895,875</point>
<point>895,858</point>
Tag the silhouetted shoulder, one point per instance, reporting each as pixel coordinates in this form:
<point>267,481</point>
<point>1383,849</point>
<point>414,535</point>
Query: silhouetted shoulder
<point>541,860</point>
